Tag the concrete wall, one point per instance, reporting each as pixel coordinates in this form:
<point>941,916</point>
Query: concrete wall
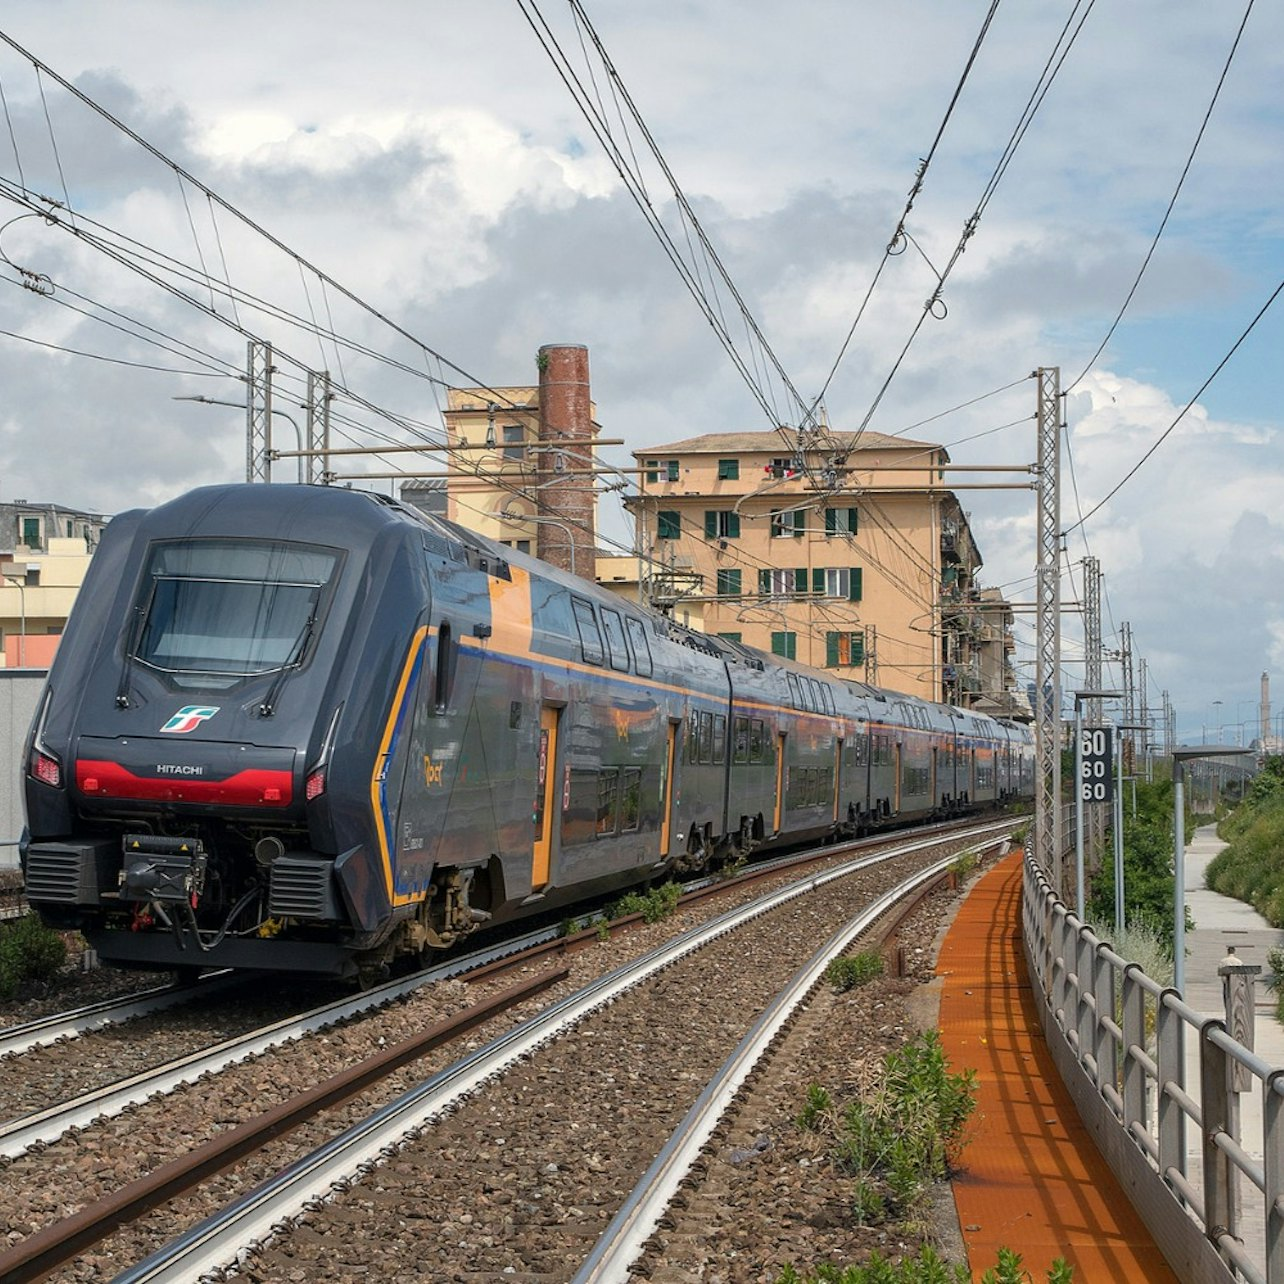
<point>19,693</point>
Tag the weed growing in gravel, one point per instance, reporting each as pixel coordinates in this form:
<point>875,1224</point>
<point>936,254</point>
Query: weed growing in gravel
<point>925,1268</point>
<point>29,951</point>
<point>817,1106</point>
<point>653,905</point>
<point>963,864</point>
<point>908,1132</point>
<point>850,973</point>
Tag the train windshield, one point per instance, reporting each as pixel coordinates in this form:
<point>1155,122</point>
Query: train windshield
<point>229,609</point>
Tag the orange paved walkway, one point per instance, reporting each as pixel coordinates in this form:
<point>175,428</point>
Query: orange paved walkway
<point>1035,1181</point>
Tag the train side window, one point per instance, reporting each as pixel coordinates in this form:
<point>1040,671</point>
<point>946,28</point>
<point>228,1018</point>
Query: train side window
<point>757,740</point>
<point>631,799</point>
<point>615,639</point>
<point>586,625</point>
<point>719,738</point>
<point>813,691</point>
<point>795,691</point>
<point>706,737</point>
<point>740,745</point>
<point>641,647</point>
<point>828,697</point>
<point>693,737</point>
<point>608,793</point>
<point>441,685</point>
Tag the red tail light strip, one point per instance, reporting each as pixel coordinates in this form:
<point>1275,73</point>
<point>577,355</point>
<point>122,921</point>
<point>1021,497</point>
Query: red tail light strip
<point>252,788</point>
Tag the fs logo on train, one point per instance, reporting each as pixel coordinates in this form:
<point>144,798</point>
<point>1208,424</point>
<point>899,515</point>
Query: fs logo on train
<point>189,717</point>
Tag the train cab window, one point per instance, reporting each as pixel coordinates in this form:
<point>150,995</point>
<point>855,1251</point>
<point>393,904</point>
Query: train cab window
<point>706,737</point>
<point>641,647</point>
<point>215,612</point>
<point>757,741</point>
<point>619,648</point>
<point>590,637</point>
<point>740,740</point>
<point>719,738</point>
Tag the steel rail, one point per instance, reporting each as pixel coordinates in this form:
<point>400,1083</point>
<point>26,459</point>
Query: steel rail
<point>250,1221</point>
<point>59,1243</point>
<point>635,1223</point>
<point>42,1127</point>
<point>17,1039</point>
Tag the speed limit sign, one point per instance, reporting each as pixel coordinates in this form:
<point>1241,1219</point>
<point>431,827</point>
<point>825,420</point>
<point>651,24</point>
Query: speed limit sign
<point>1096,773</point>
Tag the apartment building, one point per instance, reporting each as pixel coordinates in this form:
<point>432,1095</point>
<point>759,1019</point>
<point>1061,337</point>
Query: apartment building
<point>44,553</point>
<point>855,557</point>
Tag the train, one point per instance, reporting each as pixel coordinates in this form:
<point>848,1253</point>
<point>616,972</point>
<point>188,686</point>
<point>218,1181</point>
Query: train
<point>311,729</point>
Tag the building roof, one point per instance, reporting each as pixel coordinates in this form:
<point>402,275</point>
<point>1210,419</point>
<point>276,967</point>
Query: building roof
<point>766,443</point>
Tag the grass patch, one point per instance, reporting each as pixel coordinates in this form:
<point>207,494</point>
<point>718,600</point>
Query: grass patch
<point>653,905</point>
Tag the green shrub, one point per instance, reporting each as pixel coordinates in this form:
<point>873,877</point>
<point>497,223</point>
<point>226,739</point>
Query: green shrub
<point>850,973</point>
<point>653,905</point>
<point>925,1267</point>
<point>29,951</point>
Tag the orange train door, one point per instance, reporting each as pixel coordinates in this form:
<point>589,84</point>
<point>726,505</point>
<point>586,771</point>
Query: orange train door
<point>780,781</point>
<point>545,796</point>
<point>666,789</point>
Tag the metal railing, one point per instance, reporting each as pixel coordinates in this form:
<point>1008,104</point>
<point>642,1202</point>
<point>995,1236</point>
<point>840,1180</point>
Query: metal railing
<point>1148,1073</point>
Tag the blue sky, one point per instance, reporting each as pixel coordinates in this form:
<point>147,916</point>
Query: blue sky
<point>426,156</point>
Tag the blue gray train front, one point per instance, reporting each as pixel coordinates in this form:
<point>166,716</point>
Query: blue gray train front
<point>215,770</point>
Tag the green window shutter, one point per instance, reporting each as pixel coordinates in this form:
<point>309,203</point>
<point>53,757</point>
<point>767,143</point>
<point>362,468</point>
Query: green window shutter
<point>831,521</point>
<point>800,523</point>
<point>764,583</point>
<point>784,644</point>
<point>728,470</point>
<point>831,650</point>
<point>853,591</point>
<point>669,525</point>
<point>710,524</point>
<point>851,521</point>
<point>818,579</point>
<point>733,525</point>
<point>858,648</point>
<point>728,583</point>
<point>672,468</point>
<point>800,580</point>
<point>730,637</point>
<point>652,475</point>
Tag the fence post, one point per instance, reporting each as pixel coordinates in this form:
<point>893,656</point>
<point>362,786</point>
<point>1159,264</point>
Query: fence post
<point>1104,1048</point>
<point>1172,1070</point>
<point>1273,1145</point>
<point>1134,1036</point>
<point>1214,1103</point>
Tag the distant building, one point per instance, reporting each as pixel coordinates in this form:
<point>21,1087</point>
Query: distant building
<point>44,554</point>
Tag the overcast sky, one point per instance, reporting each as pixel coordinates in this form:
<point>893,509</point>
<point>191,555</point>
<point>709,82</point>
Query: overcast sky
<point>427,158</point>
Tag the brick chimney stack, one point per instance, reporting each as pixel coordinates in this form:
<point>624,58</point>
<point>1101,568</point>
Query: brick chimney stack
<point>565,492</point>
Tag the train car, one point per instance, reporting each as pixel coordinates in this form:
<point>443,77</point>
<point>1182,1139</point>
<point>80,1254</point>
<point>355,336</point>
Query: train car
<point>308,729</point>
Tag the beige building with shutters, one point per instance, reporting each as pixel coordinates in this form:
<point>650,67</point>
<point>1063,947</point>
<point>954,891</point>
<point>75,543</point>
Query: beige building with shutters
<point>855,557</point>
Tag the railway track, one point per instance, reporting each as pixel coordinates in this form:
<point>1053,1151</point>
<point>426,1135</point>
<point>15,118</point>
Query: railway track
<point>703,999</point>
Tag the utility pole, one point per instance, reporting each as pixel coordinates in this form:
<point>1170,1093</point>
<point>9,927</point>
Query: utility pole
<point>1047,804</point>
<point>871,655</point>
<point>1143,680</point>
<point>258,411</point>
<point>1125,662</point>
<point>318,407</point>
